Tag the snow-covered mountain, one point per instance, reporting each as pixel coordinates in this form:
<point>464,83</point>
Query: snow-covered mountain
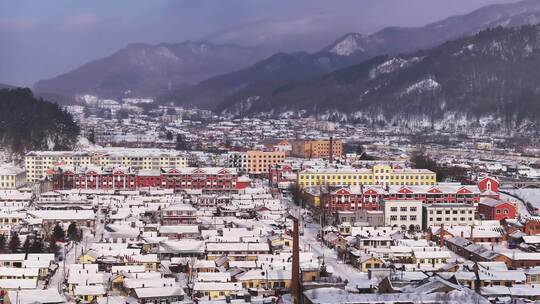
<point>150,70</point>
<point>347,45</point>
<point>288,69</point>
<point>494,74</point>
<point>396,40</point>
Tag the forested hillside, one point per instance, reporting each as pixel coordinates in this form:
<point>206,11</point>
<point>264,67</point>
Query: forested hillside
<point>28,123</point>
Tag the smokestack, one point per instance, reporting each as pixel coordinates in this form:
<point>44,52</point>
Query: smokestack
<point>331,149</point>
<point>295,280</point>
<point>441,233</point>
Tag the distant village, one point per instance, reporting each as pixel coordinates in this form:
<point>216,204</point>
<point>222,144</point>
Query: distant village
<point>182,206</point>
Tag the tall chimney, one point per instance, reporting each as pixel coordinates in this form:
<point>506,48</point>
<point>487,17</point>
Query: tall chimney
<point>441,234</point>
<point>331,149</point>
<point>295,280</point>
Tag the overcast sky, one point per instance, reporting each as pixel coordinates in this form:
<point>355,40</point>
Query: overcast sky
<point>43,38</point>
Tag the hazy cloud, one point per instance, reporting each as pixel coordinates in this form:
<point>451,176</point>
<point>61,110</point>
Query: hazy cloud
<point>80,21</point>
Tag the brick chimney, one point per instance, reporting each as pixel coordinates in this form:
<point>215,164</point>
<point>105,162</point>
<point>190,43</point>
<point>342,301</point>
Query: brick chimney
<point>295,280</point>
<point>441,236</point>
<point>331,150</point>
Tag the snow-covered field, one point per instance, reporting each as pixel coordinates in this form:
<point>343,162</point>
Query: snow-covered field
<point>527,195</point>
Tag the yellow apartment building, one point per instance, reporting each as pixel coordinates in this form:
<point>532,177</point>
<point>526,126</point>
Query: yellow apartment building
<point>380,174</point>
<point>38,163</point>
<point>12,177</point>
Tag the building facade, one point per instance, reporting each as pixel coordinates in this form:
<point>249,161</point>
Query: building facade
<point>381,174</point>
<point>404,214</point>
<point>39,164</point>
<point>12,177</point>
<point>213,179</point>
<point>355,198</point>
<point>448,215</point>
<point>494,209</point>
<point>260,162</point>
<point>317,148</point>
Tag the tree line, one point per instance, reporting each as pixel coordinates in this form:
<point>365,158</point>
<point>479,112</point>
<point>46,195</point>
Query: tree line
<point>29,123</point>
<point>34,243</point>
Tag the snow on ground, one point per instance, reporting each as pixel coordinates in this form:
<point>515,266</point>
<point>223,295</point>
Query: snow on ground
<point>527,195</point>
<point>348,45</point>
<point>309,240</point>
<point>340,269</point>
<point>422,86</point>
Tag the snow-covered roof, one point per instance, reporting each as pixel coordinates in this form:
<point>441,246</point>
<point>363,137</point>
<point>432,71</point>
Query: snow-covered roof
<point>219,286</point>
<point>32,296</point>
<point>157,292</point>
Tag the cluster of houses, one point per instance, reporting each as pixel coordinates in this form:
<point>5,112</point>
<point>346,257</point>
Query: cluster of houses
<point>260,226</point>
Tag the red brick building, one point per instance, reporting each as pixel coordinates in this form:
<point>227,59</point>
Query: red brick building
<point>532,226</point>
<point>489,187</point>
<point>494,209</point>
<point>149,179</point>
<point>440,193</point>
<point>211,179</point>
<point>353,198</point>
<point>122,178</point>
<point>282,173</point>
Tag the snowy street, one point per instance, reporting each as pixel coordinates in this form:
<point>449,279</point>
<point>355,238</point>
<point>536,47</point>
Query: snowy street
<point>309,242</point>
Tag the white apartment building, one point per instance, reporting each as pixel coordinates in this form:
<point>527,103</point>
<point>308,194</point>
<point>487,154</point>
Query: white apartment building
<point>448,215</point>
<point>38,163</point>
<point>12,177</point>
<point>402,213</point>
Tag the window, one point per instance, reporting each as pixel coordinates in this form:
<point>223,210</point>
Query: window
<point>403,217</point>
<point>403,209</point>
<point>393,209</point>
<point>393,217</point>
<point>413,209</point>
<point>412,217</point>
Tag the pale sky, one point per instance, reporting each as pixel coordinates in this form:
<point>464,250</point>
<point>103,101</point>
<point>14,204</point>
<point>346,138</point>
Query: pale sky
<point>44,38</point>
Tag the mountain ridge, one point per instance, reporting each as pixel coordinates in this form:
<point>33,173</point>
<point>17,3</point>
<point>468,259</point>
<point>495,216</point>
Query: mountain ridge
<point>350,49</point>
<point>494,73</point>
<point>142,69</point>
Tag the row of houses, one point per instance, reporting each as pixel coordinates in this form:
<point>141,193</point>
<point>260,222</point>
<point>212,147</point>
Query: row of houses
<point>126,178</point>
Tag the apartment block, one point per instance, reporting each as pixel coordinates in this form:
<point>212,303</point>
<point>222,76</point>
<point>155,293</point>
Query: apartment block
<point>260,162</point>
<point>403,214</point>
<point>39,164</point>
<point>448,215</point>
<point>383,175</point>
<point>317,148</point>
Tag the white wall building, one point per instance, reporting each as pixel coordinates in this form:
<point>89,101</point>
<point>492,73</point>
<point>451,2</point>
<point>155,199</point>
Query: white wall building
<point>402,213</point>
<point>448,215</point>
